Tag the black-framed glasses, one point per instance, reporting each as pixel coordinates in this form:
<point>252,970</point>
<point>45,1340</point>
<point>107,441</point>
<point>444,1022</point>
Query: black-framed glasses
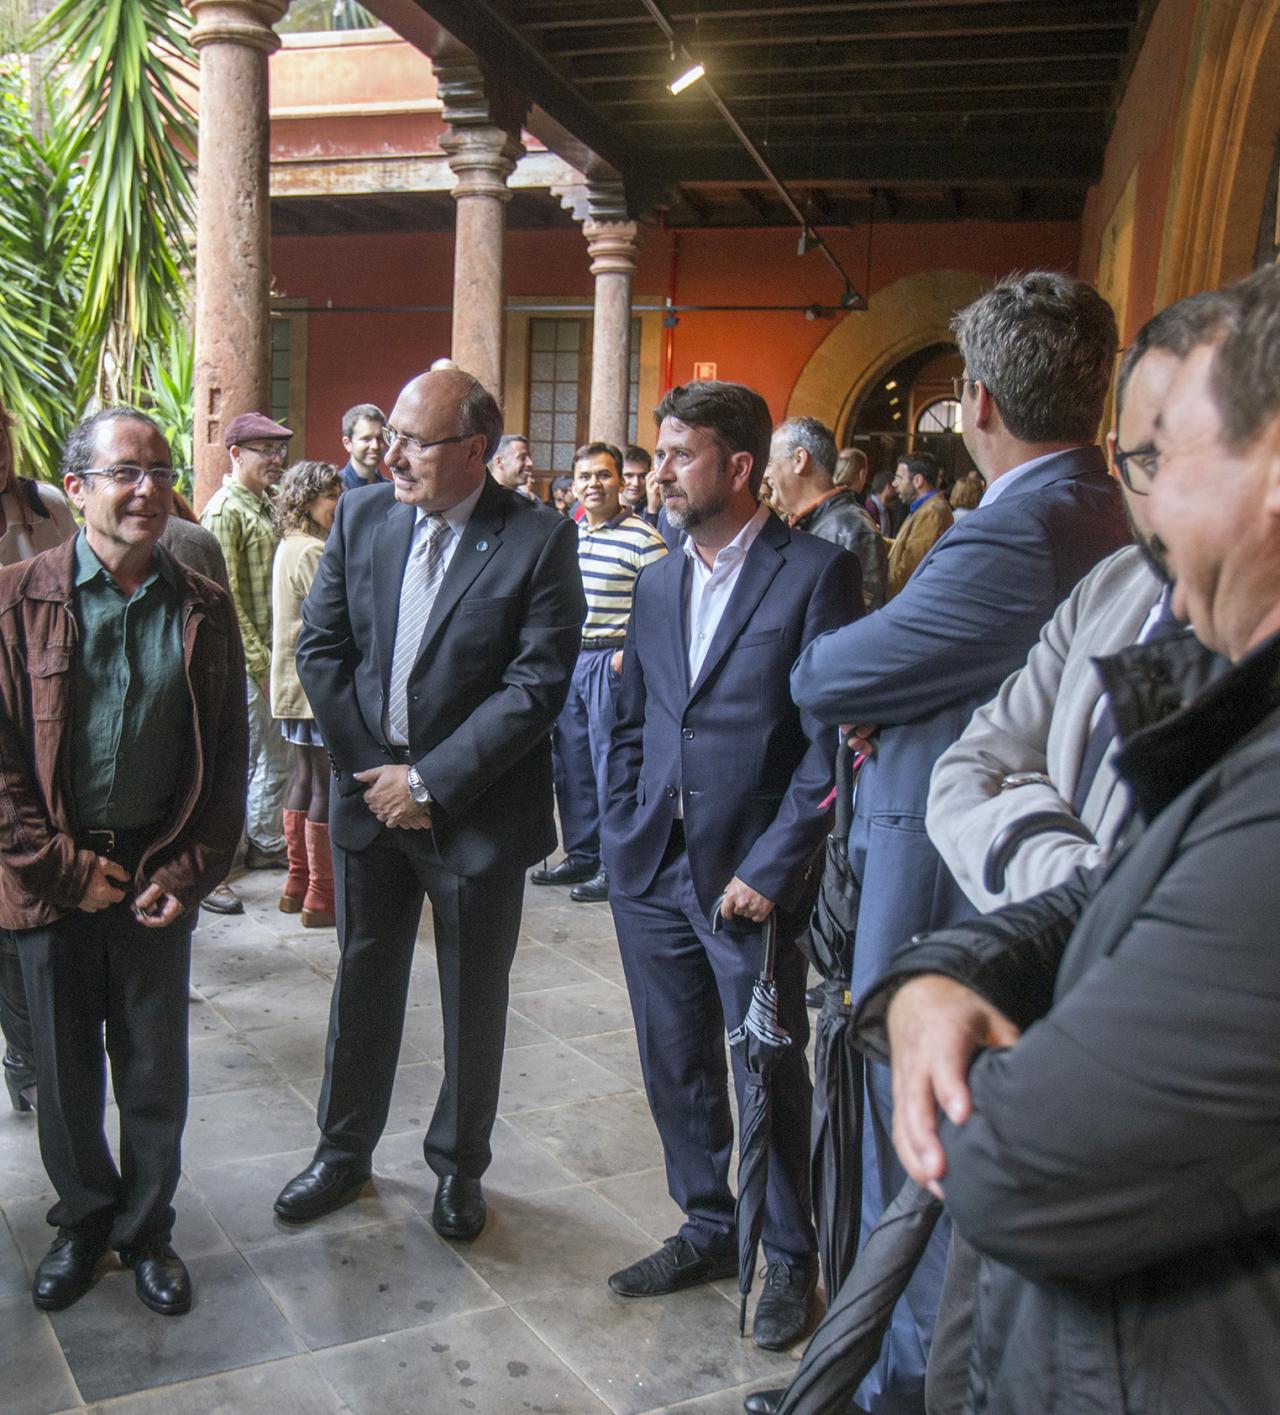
<point>271,451</point>
<point>130,474</point>
<point>414,446</point>
<point>958,386</point>
<point>1138,467</point>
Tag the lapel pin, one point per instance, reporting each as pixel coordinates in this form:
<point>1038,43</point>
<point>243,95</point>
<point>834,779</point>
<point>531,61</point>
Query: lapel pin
<point>482,545</point>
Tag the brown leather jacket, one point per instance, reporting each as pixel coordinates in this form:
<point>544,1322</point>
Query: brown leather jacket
<point>43,872</point>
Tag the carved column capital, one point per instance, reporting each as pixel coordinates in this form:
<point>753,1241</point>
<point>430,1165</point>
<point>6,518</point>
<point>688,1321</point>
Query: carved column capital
<point>246,22</point>
<point>611,246</point>
<point>482,158</point>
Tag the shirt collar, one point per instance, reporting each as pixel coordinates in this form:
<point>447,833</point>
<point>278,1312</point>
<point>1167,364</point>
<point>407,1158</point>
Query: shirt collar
<point>1005,482</point>
<point>238,490</point>
<point>87,567</point>
<point>458,514</point>
<point>585,530</point>
<point>736,549</point>
<point>920,500</point>
<point>813,505</point>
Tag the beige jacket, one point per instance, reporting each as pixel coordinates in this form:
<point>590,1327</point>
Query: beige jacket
<point>296,562</point>
<point>915,540</point>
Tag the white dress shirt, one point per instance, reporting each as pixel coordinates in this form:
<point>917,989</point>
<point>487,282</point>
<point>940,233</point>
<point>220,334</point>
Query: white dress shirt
<point>1014,474</point>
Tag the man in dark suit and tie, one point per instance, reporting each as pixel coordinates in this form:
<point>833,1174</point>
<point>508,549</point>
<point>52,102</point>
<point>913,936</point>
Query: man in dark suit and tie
<point>436,649</point>
<point>716,783</point>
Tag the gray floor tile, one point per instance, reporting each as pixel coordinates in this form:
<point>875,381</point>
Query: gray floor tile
<point>34,1377</point>
<point>643,1198</point>
<point>336,1288</point>
<point>523,1033</point>
<point>537,967</point>
<point>595,951</point>
<point>616,1052</point>
<point>288,1387</point>
<point>649,1354</point>
<point>599,1138</point>
<point>20,1169</point>
<point>15,1276</point>
<point>258,1120</point>
<point>489,1362</point>
<point>114,1345</point>
<point>551,1075</point>
<point>240,1197</point>
<point>581,1011</point>
<point>227,1062</point>
<point>214,971</point>
<point>301,996</point>
<point>729,1402</point>
<point>550,1242</point>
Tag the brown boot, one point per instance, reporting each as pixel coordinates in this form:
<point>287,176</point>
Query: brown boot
<point>317,907</point>
<point>299,877</point>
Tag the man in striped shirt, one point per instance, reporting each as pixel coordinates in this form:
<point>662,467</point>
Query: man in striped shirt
<point>614,545</point>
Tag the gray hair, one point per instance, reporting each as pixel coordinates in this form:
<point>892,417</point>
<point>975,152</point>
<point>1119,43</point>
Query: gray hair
<point>815,437</point>
<point>479,415</point>
<point>79,449</point>
<point>1043,345</point>
<point>505,442</point>
<point>352,416</point>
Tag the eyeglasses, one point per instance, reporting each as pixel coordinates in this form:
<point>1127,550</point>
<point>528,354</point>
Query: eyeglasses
<point>414,446</point>
<point>958,386</point>
<point>272,451</point>
<point>1137,468</point>
<point>128,474</point>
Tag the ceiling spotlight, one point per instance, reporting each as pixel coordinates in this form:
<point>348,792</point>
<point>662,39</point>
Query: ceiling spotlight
<point>852,300</point>
<point>891,385</point>
<point>808,241</point>
<point>689,77</point>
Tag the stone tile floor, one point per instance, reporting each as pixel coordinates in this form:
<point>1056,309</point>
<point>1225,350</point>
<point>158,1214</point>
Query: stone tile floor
<point>369,1310</point>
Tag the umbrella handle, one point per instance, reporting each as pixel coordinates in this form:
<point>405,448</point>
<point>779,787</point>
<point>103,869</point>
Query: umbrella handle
<point>846,770</point>
<point>768,932</point>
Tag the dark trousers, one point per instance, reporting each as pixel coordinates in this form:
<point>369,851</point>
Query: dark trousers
<point>91,977</point>
<point>379,893</point>
<point>684,981</point>
<point>580,747</point>
<point>15,1016</point>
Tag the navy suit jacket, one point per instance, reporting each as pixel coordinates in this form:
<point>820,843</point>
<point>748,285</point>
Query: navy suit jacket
<point>491,677</point>
<point>919,667</point>
<point>754,768</point>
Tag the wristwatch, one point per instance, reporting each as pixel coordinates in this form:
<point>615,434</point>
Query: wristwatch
<point>418,788</point>
<point>1024,778</point>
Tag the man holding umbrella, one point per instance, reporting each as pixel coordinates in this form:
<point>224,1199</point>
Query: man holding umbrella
<point>716,783</point>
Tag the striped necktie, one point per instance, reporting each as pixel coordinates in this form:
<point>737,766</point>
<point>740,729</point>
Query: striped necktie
<point>422,575</point>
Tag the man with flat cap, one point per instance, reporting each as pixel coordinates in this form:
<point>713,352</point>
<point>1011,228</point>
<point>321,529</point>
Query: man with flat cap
<point>436,650</point>
<point>239,515</point>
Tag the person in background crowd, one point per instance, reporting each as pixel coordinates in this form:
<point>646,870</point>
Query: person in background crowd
<point>304,510</point>
<point>125,801</point>
<point>34,516</point>
<point>562,497</point>
<point>850,471</point>
<point>1039,349</point>
<point>362,438</point>
<point>613,547</point>
<point>883,505</point>
<point>512,464</point>
<point>239,515</point>
<point>915,480</point>
<point>640,493</point>
<point>965,494</point>
<point>802,458</point>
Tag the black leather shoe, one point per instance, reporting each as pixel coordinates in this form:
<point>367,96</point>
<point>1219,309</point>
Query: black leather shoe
<point>22,1095</point>
<point>66,1271</point>
<point>675,1265</point>
<point>566,872</point>
<point>160,1277</point>
<point>764,1402</point>
<point>322,1187</point>
<point>813,997</point>
<point>594,891</point>
<point>459,1210</point>
<point>785,1308</point>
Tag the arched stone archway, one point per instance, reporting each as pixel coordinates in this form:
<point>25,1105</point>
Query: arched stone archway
<point>1225,145</point>
<point>910,314</point>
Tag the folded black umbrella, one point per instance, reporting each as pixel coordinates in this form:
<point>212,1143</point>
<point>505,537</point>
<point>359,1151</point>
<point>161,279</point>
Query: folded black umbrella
<point>835,1145</point>
<point>829,939</point>
<point>760,1041</point>
<point>846,1344</point>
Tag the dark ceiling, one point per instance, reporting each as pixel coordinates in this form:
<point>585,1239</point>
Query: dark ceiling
<point>901,109</point>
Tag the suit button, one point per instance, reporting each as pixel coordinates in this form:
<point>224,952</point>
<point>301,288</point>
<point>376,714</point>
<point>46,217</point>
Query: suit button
<point>686,733</point>
<point>671,792</point>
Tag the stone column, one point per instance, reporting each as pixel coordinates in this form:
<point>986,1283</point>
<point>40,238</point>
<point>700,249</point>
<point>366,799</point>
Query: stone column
<point>612,246</point>
<point>233,224</point>
<point>482,158</point>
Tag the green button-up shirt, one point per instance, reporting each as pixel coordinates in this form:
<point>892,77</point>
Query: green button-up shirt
<point>132,707</point>
<point>241,520</point>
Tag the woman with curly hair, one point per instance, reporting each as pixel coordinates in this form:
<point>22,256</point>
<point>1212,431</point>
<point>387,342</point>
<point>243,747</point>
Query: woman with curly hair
<point>304,510</point>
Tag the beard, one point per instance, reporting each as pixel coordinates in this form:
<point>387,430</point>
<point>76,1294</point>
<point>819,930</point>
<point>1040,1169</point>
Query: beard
<point>1153,549</point>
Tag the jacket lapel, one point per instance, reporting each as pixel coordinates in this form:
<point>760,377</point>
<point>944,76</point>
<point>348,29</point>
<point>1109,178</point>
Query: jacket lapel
<point>390,549</point>
<point>762,563</point>
<point>479,544</point>
<point>676,605</point>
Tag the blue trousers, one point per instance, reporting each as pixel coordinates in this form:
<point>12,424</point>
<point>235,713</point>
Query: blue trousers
<point>580,746</point>
<point>684,981</point>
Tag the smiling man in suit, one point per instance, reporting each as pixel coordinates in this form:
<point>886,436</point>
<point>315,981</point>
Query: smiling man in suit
<point>715,787</point>
<point>436,649</point>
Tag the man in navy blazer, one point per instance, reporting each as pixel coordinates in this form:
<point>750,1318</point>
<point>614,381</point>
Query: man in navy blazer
<point>716,786</point>
<point>1038,353</point>
<point>436,648</point>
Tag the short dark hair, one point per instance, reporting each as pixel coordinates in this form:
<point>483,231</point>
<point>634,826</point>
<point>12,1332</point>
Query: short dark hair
<point>815,437</point>
<point>562,484</point>
<point>599,449</point>
<point>735,415</point>
<point>921,464</point>
<point>882,480</point>
<point>1176,330</point>
<point>1242,377</point>
<point>479,415</point>
<point>361,410</point>
<point>1043,345</point>
<point>632,453</point>
<point>508,439</point>
<point>78,449</point>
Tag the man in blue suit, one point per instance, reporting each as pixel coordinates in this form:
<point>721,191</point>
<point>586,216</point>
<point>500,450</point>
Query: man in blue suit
<point>1038,352</point>
<point>716,784</point>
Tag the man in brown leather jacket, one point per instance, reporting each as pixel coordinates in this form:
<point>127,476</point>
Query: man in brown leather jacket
<point>123,747</point>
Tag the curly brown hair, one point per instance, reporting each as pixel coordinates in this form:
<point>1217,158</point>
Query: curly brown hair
<point>299,487</point>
